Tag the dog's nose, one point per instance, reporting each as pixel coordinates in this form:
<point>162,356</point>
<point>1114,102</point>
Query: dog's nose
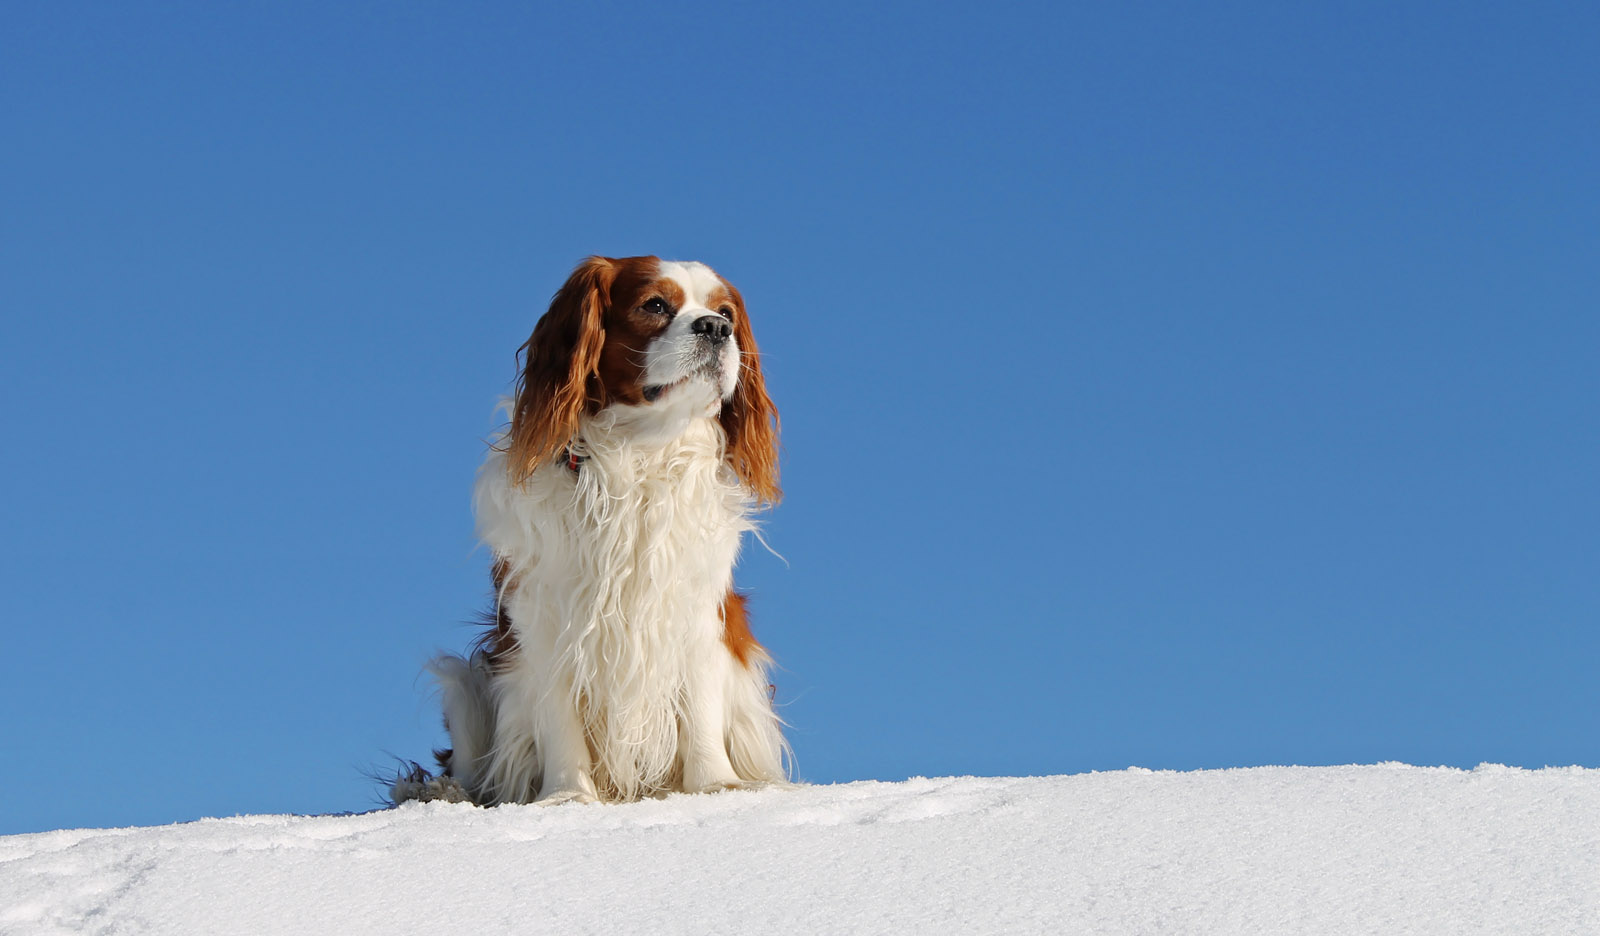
<point>714,327</point>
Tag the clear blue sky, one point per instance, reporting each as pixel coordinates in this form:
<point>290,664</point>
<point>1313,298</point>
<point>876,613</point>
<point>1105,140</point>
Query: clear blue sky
<point>1176,385</point>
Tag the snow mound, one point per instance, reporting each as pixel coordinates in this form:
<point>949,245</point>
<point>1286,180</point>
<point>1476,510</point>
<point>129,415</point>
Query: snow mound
<point>1391,849</point>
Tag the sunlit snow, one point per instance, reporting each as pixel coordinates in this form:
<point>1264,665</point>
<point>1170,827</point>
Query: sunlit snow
<point>1390,849</point>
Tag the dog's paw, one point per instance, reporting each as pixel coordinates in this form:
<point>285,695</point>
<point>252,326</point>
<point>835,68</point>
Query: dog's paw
<point>721,786</point>
<point>561,797</point>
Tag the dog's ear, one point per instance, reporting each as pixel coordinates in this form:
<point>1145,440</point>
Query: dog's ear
<point>559,377</point>
<point>750,419</point>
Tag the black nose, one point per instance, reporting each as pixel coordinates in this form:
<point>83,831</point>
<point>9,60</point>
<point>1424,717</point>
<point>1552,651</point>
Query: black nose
<point>714,327</point>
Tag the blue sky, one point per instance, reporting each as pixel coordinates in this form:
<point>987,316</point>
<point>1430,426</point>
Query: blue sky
<point>1170,385</point>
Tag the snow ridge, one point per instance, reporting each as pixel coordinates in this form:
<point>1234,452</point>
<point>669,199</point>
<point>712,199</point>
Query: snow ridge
<point>1387,848</point>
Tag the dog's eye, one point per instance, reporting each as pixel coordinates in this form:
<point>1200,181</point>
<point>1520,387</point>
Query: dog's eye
<point>656,306</point>
<point>726,312</point>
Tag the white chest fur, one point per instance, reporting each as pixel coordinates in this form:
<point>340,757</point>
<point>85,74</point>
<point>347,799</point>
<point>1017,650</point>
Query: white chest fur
<point>617,573</point>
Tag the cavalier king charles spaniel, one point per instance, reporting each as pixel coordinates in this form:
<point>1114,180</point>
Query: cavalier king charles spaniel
<point>617,661</point>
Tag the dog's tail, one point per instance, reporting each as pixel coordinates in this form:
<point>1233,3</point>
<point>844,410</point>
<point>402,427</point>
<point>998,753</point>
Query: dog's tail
<point>469,715</point>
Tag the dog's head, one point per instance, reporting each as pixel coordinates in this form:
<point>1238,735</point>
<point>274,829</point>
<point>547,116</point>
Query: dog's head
<point>647,335</point>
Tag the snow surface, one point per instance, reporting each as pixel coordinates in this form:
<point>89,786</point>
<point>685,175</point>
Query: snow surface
<point>1385,849</point>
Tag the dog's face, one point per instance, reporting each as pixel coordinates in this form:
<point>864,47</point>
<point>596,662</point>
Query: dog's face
<point>670,331</point>
<point>652,336</point>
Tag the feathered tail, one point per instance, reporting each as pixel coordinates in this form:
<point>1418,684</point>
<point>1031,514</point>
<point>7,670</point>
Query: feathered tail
<point>469,717</point>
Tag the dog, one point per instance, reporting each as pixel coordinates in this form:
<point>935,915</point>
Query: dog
<point>617,661</point>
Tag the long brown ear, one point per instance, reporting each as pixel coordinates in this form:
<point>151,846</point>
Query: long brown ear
<point>750,419</point>
<point>559,374</point>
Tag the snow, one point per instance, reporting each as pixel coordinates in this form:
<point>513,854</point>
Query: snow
<point>1384,849</point>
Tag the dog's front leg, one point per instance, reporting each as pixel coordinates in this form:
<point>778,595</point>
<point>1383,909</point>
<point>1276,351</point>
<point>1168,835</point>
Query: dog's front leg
<point>563,752</point>
<point>702,734</point>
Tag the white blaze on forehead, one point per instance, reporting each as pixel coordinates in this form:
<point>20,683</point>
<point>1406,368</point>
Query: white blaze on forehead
<point>697,280</point>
